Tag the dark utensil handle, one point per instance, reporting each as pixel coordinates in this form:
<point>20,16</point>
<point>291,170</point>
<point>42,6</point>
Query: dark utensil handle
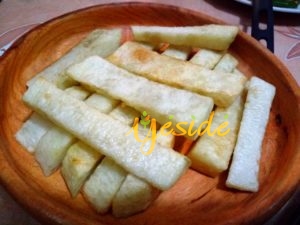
<point>266,7</point>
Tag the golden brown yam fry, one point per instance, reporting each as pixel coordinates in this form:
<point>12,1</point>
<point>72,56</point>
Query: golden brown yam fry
<point>216,37</point>
<point>144,62</point>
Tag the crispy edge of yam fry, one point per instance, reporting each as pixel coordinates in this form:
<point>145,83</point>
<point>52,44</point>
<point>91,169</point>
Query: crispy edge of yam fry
<point>244,169</point>
<point>100,42</point>
<point>181,74</point>
<point>142,94</point>
<point>88,124</point>
<point>215,37</point>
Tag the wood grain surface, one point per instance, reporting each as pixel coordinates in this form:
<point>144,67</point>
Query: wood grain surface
<point>195,199</point>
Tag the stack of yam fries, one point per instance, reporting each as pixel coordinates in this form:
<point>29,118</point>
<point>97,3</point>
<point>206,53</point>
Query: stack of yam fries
<point>87,105</point>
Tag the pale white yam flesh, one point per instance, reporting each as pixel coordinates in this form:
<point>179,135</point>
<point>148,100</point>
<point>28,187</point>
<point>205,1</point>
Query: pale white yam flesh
<point>162,168</point>
<point>157,99</point>
<point>244,169</point>
<point>216,37</point>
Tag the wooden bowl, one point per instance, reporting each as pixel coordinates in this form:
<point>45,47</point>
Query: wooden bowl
<point>195,199</point>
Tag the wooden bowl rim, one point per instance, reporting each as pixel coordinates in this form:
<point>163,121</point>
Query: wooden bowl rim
<point>8,175</point>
